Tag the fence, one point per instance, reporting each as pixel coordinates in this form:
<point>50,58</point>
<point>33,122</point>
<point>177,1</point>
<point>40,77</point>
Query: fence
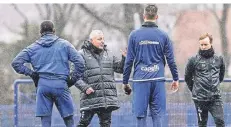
<point>180,109</point>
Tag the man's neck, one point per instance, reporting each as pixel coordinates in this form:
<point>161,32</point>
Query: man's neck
<point>146,20</point>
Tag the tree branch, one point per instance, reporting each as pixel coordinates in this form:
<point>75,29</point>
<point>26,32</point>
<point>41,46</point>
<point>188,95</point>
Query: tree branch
<point>100,19</point>
<point>213,10</point>
<point>26,21</point>
<point>65,6</point>
<point>71,8</point>
<point>40,11</point>
<point>69,11</point>
<point>10,29</point>
<point>48,11</point>
<point>225,12</point>
<point>19,12</point>
<point>179,17</point>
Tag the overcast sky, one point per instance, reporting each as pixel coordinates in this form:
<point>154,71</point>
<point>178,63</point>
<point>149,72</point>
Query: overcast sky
<point>9,17</point>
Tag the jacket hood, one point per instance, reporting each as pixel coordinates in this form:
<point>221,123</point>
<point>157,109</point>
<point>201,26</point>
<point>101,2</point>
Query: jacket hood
<point>47,40</point>
<point>88,45</point>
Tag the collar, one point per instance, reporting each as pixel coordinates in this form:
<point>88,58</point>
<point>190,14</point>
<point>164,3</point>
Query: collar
<point>149,24</point>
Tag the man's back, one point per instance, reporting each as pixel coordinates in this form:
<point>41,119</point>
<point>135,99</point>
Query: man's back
<point>50,55</point>
<point>148,46</point>
<point>149,42</point>
<point>47,55</point>
<point>147,49</point>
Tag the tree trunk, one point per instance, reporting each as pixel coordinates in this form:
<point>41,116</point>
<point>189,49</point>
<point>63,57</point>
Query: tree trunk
<point>223,34</point>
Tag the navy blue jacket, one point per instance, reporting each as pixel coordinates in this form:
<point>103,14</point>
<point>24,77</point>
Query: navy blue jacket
<point>148,47</point>
<point>49,55</point>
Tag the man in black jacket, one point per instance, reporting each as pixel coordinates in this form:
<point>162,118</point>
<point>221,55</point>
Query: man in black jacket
<point>203,74</point>
<point>99,95</point>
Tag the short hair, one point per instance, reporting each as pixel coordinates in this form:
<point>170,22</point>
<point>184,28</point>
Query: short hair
<point>203,36</point>
<point>46,26</point>
<point>95,33</point>
<point>150,11</point>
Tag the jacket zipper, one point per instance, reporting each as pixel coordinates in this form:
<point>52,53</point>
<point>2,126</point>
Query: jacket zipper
<point>100,65</point>
<point>210,77</point>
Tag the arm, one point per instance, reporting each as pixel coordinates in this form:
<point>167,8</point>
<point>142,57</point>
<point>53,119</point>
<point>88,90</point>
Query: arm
<point>118,65</point>
<point>78,62</point>
<point>222,70</point>
<point>129,60</point>
<point>77,75</point>
<point>169,54</point>
<point>82,86</point>
<point>189,71</point>
<point>19,61</point>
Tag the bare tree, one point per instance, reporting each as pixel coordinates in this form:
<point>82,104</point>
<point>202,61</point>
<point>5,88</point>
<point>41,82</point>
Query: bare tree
<point>223,31</point>
<point>100,19</point>
<point>127,21</point>
<point>25,24</point>
<point>29,31</point>
<point>59,13</point>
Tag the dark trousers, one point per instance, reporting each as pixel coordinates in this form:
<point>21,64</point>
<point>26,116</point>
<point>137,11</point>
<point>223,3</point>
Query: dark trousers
<point>214,107</point>
<point>103,114</point>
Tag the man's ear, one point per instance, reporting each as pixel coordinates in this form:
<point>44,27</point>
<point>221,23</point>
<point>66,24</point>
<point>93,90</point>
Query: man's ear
<point>156,17</point>
<point>53,30</point>
<point>40,31</point>
<point>144,16</point>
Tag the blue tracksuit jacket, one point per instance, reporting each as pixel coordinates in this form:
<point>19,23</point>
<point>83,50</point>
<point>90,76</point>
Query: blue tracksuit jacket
<point>49,55</point>
<point>148,47</point>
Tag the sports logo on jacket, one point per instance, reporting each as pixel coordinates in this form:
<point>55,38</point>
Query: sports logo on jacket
<point>146,42</point>
<point>150,69</point>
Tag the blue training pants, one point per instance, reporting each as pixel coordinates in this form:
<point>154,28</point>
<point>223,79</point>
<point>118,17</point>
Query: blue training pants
<point>51,92</point>
<point>152,94</point>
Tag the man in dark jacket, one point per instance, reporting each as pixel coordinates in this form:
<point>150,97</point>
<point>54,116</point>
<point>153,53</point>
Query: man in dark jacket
<point>99,96</point>
<point>203,74</point>
<point>148,47</point>
<point>49,57</point>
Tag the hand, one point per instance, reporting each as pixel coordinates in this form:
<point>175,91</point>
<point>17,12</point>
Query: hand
<point>124,52</point>
<point>175,85</point>
<point>127,89</point>
<point>89,91</point>
<point>35,78</point>
<point>70,81</point>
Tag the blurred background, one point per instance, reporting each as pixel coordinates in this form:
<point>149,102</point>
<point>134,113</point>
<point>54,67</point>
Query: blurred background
<point>184,23</point>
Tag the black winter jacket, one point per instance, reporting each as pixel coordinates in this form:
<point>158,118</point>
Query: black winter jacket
<point>99,74</point>
<point>203,76</point>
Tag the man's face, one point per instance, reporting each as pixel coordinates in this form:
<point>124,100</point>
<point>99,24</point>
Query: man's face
<point>98,41</point>
<point>205,44</point>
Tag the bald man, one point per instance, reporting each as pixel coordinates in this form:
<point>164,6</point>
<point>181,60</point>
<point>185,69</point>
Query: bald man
<point>99,95</point>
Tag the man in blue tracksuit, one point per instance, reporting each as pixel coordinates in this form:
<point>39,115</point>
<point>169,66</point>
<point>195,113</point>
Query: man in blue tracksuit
<point>49,58</point>
<point>148,47</point>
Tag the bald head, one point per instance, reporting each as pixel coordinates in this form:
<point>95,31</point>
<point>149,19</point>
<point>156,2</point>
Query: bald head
<point>97,38</point>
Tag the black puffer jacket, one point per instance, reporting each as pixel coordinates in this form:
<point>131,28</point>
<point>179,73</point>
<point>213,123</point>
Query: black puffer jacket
<point>203,75</point>
<point>99,74</point>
